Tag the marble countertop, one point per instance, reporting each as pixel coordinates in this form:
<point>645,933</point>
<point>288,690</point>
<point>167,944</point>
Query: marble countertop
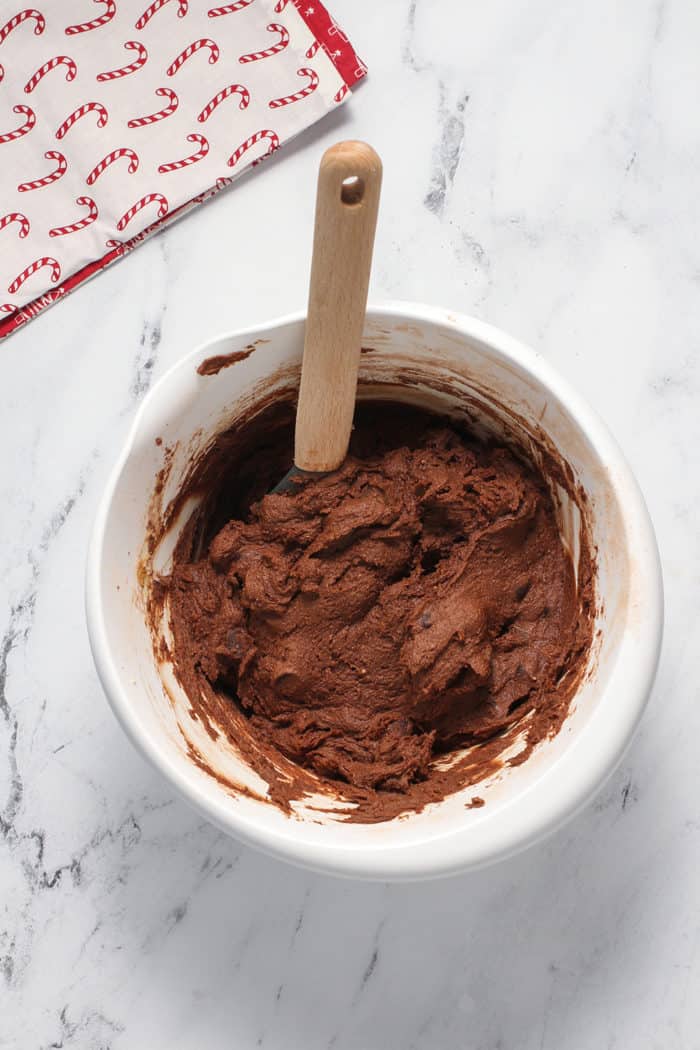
<point>541,164</point>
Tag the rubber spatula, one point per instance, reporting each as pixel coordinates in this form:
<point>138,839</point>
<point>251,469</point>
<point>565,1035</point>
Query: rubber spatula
<point>347,201</point>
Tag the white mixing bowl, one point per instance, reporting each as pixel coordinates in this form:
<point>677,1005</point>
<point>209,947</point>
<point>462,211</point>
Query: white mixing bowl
<point>428,356</point>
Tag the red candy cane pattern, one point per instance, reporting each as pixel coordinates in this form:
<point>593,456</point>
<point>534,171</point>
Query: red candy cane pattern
<point>81,111</point>
<point>80,224</point>
<point>53,63</point>
<point>24,129</point>
<point>245,146</point>
<point>340,94</point>
<point>45,260</point>
<point>132,67</point>
<point>232,89</point>
<point>150,198</point>
<point>167,111</point>
<point>251,147</point>
<point>228,9</point>
<point>94,23</point>
<point>7,308</point>
<point>58,173</point>
<point>175,165</point>
<point>255,56</point>
<point>30,12</point>
<point>192,49</point>
<point>103,164</point>
<point>153,9</point>
<point>16,216</point>
<point>286,100</point>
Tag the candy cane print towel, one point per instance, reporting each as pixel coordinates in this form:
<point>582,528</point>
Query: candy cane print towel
<point>117,116</point>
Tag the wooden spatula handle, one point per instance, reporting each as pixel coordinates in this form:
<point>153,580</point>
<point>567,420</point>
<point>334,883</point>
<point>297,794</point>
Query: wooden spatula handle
<point>349,181</point>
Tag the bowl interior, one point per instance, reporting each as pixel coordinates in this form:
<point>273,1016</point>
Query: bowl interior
<point>444,363</point>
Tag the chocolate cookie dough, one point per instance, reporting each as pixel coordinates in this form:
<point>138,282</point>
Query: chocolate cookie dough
<point>375,622</point>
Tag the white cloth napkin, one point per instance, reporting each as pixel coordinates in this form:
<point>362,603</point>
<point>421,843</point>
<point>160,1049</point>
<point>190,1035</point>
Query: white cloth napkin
<point>118,115</point>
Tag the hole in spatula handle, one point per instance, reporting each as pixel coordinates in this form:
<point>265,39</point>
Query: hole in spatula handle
<point>352,189</point>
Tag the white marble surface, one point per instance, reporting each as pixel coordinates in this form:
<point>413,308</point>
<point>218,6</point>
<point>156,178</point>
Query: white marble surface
<point>542,160</point>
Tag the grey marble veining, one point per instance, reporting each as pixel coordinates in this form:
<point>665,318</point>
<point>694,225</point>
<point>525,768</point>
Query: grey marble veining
<point>541,168</point>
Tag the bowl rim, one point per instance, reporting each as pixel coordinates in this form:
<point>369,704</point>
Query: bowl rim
<point>512,830</point>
